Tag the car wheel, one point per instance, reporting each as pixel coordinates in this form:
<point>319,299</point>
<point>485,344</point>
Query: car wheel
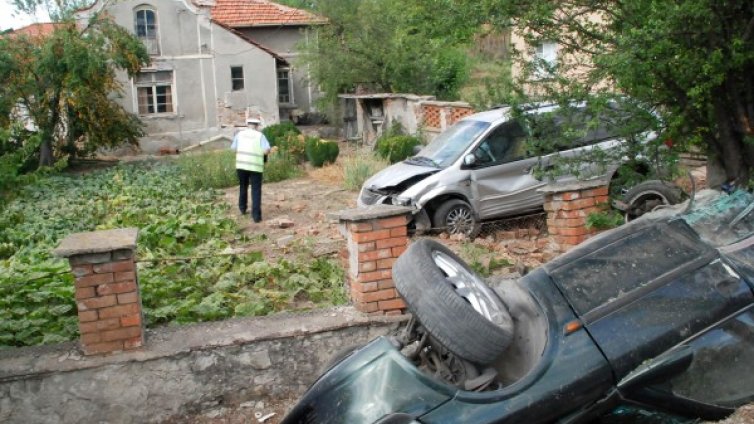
<point>645,197</point>
<point>456,217</point>
<point>452,303</point>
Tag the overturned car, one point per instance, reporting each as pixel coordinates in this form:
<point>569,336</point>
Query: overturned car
<point>657,315</point>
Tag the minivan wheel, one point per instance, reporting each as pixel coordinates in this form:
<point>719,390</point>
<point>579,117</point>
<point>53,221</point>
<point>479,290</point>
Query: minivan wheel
<point>456,217</point>
<point>452,303</point>
<point>645,197</point>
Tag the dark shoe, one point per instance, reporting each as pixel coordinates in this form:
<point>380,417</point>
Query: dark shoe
<point>242,213</point>
<point>257,221</point>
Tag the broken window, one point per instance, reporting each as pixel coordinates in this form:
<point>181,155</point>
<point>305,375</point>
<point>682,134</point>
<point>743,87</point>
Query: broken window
<point>154,92</point>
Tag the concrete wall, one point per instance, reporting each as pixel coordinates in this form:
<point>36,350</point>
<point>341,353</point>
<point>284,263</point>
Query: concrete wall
<point>200,54</point>
<point>181,370</point>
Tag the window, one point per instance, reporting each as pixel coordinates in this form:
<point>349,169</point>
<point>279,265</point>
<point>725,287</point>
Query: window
<point>145,27</point>
<point>236,77</point>
<point>546,59</point>
<point>154,91</point>
<point>285,94</point>
<point>506,143</point>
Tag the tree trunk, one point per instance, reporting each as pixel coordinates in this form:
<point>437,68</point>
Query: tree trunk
<point>45,152</point>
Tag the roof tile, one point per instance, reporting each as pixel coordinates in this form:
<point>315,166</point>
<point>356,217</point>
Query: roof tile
<point>250,13</point>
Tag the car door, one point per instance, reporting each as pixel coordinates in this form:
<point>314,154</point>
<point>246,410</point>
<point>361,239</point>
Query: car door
<point>501,177</point>
<point>707,376</point>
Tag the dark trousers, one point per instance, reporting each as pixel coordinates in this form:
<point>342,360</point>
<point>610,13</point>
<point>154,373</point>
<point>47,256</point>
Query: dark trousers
<point>255,179</point>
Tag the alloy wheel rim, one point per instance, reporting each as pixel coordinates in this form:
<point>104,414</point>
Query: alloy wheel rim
<point>469,287</point>
<point>460,221</point>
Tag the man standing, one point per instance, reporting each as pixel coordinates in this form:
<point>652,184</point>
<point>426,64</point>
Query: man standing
<point>251,146</point>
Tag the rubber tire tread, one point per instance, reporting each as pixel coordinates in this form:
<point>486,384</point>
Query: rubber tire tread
<point>441,214</point>
<point>671,191</point>
<point>449,318</point>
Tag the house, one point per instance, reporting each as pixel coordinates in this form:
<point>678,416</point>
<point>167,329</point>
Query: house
<point>207,71</point>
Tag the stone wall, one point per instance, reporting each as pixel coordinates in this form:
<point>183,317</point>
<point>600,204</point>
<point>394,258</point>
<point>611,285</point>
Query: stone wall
<point>181,370</point>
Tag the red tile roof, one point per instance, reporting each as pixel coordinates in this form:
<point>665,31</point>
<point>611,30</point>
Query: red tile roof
<point>36,30</point>
<point>253,13</point>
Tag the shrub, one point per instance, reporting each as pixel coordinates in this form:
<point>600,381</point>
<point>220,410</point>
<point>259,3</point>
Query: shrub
<point>358,168</point>
<point>604,220</point>
<point>280,166</point>
<point>209,170</point>
<point>397,148</point>
<point>294,145</point>
<point>277,131</point>
<point>320,152</point>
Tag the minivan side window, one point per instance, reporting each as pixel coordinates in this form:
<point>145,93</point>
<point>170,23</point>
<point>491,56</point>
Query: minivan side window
<point>506,143</point>
<point>569,129</point>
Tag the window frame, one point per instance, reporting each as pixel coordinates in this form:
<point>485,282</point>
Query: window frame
<point>234,79</point>
<point>150,39</point>
<point>290,100</point>
<point>545,59</point>
<point>153,85</point>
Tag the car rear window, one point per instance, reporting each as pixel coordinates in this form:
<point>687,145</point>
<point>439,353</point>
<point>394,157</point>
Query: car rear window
<point>619,268</point>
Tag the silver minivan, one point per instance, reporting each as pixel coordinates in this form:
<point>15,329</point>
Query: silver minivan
<point>479,169</point>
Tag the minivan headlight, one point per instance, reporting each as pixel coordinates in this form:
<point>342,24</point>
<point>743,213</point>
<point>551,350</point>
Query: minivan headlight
<point>401,201</point>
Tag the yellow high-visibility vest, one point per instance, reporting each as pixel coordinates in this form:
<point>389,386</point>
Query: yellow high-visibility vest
<point>249,153</point>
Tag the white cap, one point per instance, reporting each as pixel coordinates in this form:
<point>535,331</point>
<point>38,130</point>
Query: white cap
<point>253,121</point>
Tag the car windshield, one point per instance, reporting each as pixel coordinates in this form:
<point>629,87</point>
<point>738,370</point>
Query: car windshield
<point>448,146</point>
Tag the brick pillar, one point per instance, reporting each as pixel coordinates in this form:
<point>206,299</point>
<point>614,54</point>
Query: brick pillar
<point>107,289</point>
<point>376,237</point>
<point>568,205</point>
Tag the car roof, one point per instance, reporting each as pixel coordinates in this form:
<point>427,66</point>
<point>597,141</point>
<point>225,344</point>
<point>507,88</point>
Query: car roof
<point>503,113</point>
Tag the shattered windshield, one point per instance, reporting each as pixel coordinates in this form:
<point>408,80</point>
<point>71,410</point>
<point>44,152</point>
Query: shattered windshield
<point>724,219</point>
<point>448,146</point>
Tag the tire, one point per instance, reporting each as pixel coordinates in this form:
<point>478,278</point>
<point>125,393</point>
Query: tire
<point>644,197</point>
<point>452,303</point>
<point>456,217</point>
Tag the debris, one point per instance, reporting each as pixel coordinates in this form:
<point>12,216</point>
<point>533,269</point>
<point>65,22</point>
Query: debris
<point>284,241</point>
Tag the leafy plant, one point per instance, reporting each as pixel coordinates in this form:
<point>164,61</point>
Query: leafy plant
<point>208,169</point>
<point>294,145</point>
<point>358,168</point>
<point>320,152</point>
<point>604,220</point>
<point>397,148</point>
<point>174,220</point>
<point>280,166</point>
<point>277,131</point>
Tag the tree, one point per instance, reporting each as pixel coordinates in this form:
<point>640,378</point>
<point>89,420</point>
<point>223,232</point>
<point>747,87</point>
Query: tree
<point>693,61</point>
<point>65,83</point>
<point>386,45</point>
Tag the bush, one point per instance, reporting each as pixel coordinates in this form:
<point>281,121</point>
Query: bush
<point>277,131</point>
<point>397,148</point>
<point>280,166</point>
<point>357,169</point>
<point>604,220</point>
<point>320,152</point>
<point>209,170</point>
<point>294,145</point>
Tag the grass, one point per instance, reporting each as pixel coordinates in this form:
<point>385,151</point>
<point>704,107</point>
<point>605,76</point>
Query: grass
<point>359,167</point>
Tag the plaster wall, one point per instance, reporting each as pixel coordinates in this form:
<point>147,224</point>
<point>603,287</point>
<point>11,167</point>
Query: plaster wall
<point>182,370</point>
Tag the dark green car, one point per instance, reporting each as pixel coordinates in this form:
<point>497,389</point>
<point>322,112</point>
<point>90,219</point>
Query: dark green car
<point>657,315</point>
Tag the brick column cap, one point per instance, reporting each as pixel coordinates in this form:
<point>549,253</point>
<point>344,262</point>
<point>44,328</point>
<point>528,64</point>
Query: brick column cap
<point>556,187</point>
<point>368,213</point>
<point>97,242</point>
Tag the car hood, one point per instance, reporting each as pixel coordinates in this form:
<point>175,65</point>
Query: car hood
<point>395,174</point>
<point>373,382</point>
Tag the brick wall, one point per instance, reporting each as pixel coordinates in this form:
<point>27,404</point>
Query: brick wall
<point>431,116</point>
<point>568,209</point>
<point>376,237</point>
<point>106,289</point>
<point>440,115</point>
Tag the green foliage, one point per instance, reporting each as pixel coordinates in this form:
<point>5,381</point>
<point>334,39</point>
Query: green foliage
<point>691,60</point>
<point>604,220</point>
<point>391,45</point>
<point>358,168</point>
<point>281,166</point>
<point>277,131</point>
<point>209,169</point>
<point>321,152</point>
<point>174,220</point>
<point>482,260</point>
<point>65,83</point>
<point>294,145</point>
<point>397,148</point>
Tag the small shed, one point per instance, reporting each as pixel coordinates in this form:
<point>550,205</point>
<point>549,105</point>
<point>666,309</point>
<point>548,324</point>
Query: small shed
<point>367,116</point>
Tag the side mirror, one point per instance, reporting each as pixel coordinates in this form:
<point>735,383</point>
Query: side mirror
<point>417,149</point>
<point>469,159</point>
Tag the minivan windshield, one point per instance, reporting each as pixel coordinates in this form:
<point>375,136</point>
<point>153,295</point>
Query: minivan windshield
<point>448,146</point>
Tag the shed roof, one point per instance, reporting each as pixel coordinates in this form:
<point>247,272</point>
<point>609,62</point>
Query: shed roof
<point>260,13</point>
<point>39,29</point>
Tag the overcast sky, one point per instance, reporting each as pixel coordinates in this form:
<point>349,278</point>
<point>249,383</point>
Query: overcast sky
<point>8,20</point>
